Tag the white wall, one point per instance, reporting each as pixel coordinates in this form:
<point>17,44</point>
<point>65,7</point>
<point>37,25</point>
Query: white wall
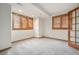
<point>36,27</point>
<point>49,32</point>
<point>39,27</point>
<point>5,26</point>
<point>21,34</point>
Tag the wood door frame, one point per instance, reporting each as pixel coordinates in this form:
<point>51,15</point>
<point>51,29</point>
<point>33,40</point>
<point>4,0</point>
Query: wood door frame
<point>69,29</point>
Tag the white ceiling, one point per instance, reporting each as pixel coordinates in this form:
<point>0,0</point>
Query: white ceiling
<point>43,9</point>
<point>57,8</point>
<point>28,9</point>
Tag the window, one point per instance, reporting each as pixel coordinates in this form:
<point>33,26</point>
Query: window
<point>30,23</point>
<point>16,21</point>
<point>56,22</point>
<point>64,21</point>
<point>21,22</point>
<point>24,22</point>
<point>60,22</point>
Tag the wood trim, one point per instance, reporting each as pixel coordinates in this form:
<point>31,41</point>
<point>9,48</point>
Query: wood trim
<point>56,39</point>
<point>74,46</point>
<point>69,22</point>
<point>22,40</point>
<point>60,15</point>
<point>39,38</point>
<point>5,49</point>
<point>61,21</point>
<point>75,27</point>
<point>73,9</point>
<point>21,15</point>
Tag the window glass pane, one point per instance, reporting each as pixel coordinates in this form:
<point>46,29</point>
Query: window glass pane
<point>73,14</point>
<point>77,23</point>
<point>64,21</point>
<point>72,33</point>
<point>57,22</point>
<point>16,20</point>
<point>77,19</point>
<point>77,26</point>
<point>72,36</point>
<point>77,37</point>
<point>73,26</point>
<point>73,20</point>
<point>24,22</point>
<point>30,22</point>
<point>77,12</point>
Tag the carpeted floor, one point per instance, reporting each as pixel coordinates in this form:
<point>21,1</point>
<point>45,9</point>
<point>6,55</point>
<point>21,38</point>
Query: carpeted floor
<point>42,46</point>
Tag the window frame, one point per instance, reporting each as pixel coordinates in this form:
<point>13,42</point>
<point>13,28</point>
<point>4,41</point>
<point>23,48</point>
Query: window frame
<point>61,21</point>
<point>27,27</point>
